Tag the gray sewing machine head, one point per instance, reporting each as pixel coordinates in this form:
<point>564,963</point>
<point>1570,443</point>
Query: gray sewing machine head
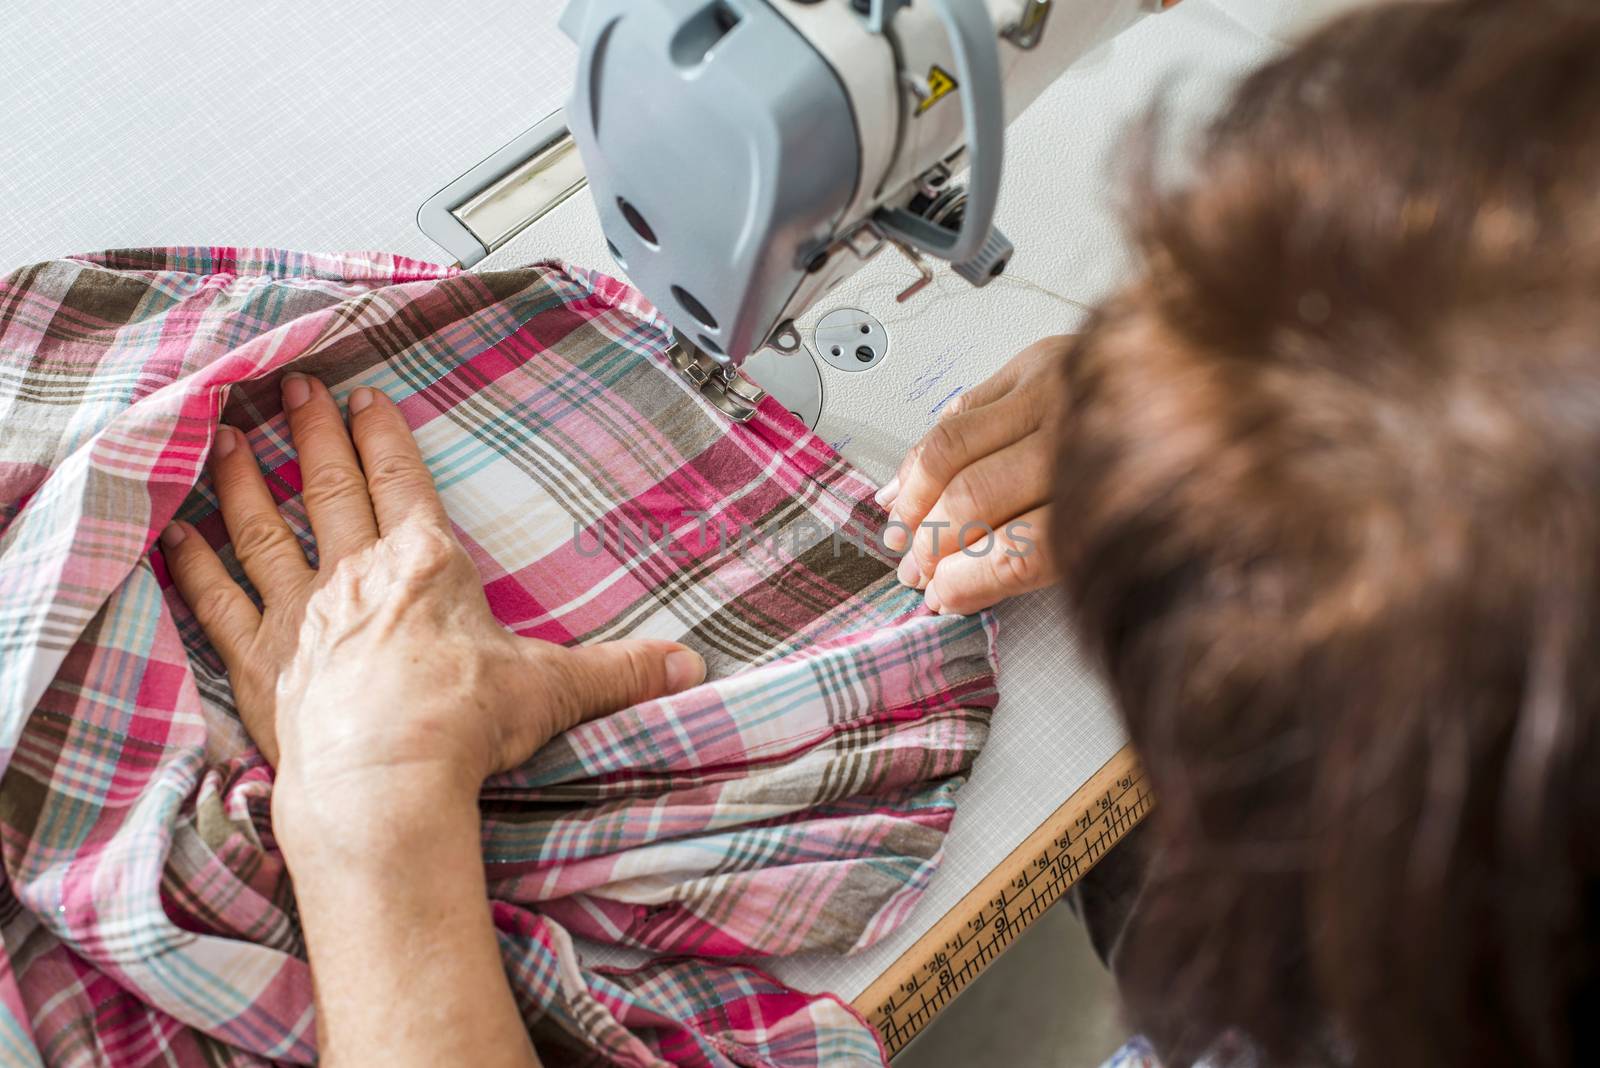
<point>745,156</point>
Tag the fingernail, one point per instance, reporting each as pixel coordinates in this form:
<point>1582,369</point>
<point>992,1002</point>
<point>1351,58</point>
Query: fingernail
<point>296,391</point>
<point>227,438</point>
<point>359,399</point>
<point>909,573</point>
<point>896,536</point>
<point>685,668</point>
<point>931,599</point>
<point>172,535</point>
<point>890,490</point>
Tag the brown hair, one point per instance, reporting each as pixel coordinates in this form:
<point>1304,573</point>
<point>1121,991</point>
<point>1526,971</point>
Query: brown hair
<point>1329,512</point>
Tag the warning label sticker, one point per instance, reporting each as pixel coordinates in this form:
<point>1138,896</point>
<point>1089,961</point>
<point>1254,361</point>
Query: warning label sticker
<point>940,85</point>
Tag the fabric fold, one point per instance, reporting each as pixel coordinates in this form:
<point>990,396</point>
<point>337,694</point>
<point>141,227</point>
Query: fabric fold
<point>797,802</point>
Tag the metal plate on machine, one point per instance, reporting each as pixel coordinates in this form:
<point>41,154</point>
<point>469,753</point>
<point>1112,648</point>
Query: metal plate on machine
<point>851,340</point>
<point>792,378</point>
<point>504,194</point>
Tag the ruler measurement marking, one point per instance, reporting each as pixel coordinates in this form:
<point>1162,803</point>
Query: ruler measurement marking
<point>960,946</point>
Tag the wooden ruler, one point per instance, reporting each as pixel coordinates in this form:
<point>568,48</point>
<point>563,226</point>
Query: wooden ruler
<point>968,938</point>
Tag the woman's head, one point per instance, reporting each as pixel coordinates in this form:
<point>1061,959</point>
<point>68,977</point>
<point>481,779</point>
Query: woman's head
<point>1329,510</point>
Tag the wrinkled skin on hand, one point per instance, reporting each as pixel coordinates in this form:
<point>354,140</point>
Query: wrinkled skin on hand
<point>382,672</point>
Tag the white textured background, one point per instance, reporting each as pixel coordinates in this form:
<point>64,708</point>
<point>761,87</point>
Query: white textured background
<point>295,125</point>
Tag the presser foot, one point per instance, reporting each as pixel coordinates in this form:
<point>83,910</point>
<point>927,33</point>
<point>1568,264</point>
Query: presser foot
<point>735,395</point>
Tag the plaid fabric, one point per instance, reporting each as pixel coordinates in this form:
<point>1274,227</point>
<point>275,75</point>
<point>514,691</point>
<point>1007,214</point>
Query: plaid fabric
<point>796,802</point>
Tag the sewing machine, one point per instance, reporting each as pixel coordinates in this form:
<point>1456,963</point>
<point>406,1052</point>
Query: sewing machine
<point>838,305</point>
<point>754,154</point>
<point>786,199</point>
<point>834,305</point>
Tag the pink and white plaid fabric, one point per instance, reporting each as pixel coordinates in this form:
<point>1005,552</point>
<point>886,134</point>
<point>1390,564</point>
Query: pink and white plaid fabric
<point>796,802</point>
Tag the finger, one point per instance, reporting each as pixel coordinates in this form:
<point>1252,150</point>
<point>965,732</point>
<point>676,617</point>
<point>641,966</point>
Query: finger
<point>888,491</point>
<point>266,549</point>
<point>613,675</point>
<point>978,501</point>
<point>954,443</point>
<point>220,606</point>
<point>399,483</point>
<point>1019,561</point>
<point>331,481</point>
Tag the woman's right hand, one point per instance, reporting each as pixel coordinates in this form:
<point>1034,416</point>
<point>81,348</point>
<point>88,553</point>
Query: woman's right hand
<point>381,676</point>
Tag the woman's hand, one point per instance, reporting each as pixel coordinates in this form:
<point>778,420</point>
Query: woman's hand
<point>381,672</point>
<point>384,691</point>
<point>976,490</point>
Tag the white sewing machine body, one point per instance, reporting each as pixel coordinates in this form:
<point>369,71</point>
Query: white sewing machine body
<point>788,141</point>
<point>745,157</point>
